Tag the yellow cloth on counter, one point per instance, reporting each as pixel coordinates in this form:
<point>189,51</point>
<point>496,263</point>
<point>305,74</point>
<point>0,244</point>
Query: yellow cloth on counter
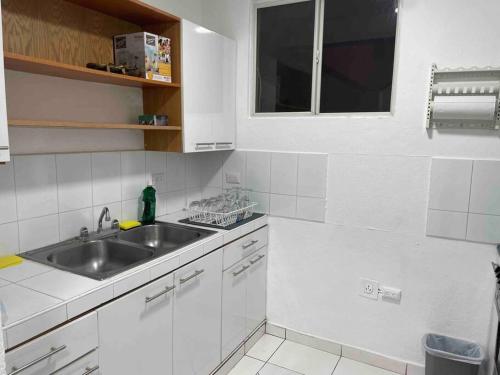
<point>10,260</point>
<point>126,225</point>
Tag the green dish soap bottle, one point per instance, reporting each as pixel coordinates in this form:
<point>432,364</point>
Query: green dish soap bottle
<point>149,199</point>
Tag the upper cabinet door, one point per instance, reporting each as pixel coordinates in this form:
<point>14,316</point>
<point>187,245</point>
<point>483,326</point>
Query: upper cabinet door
<point>4,135</point>
<point>208,76</point>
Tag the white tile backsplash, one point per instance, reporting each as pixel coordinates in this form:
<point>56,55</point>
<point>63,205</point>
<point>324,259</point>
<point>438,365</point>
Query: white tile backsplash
<point>284,173</point>
<point>450,184</point>
<point>447,224</point>
<point>176,171</point>
<point>8,209</point>
<point>485,191</point>
<point>71,222</point>
<point>36,185</point>
<point>483,228</point>
<point>106,177</point>
<point>258,175</point>
<point>132,209</point>
<point>9,239</point>
<point>133,164</point>
<point>312,171</point>
<point>283,205</point>
<point>74,181</point>
<point>38,232</point>
<point>235,163</point>
<point>311,209</point>
<point>262,200</point>
<point>464,200</point>
<point>176,201</point>
<point>156,164</point>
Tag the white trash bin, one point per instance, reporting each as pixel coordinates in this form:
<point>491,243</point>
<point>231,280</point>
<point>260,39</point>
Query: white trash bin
<point>449,356</point>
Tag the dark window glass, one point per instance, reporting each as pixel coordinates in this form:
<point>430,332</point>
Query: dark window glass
<point>358,55</point>
<point>285,39</point>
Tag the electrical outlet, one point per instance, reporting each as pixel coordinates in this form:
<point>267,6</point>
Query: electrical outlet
<point>369,289</point>
<point>391,294</point>
<point>233,178</point>
<point>157,179</point>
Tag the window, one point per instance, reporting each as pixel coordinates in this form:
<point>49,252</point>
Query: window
<point>347,67</point>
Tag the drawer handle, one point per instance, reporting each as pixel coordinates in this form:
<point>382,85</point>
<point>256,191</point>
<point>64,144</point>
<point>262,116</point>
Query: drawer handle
<point>165,291</point>
<point>38,360</point>
<point>255,260</point>
<point>196,273</point>
<point>243,269</point>
<point>248,244</point>
<point>3,148</point>
<point>90,370</point>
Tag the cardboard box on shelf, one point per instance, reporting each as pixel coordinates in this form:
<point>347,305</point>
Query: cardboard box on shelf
<point>141,51</point>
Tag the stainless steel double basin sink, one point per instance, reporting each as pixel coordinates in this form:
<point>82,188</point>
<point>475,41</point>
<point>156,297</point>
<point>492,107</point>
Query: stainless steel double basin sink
<point>106,255</point>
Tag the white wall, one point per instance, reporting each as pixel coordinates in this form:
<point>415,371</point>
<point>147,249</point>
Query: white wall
<point>378,185</point>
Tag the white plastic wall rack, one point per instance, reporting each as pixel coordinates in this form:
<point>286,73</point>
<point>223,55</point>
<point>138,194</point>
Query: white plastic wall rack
<point>466,98</point>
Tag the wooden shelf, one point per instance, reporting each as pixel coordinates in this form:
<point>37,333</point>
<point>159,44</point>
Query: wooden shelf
<point>87,125</point>
<point>36,65</point>
<point>134,11</point>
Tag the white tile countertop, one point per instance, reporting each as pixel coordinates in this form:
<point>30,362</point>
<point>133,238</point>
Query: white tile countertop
<point>35,297</point>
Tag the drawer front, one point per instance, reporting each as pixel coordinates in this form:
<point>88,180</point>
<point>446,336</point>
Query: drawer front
<point>54,350</point>
<point>245,246</point>
<point>88,365</point>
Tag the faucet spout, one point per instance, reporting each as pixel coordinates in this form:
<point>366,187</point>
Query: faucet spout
<point>104,215</point>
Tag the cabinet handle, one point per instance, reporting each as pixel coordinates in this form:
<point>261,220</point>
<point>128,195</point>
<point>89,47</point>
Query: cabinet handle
<point>196,273</point>
<point>3,148</point>
<point>243,269</point>
<point>223,144</point>
<point>90,370</point>
<point>53,351</point>
<point>248,244</point>
<point>204,145</point>
<point>255,260</point>
<point>165,291</point>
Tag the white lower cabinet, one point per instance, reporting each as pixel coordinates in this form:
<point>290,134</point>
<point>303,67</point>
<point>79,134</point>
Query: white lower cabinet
<point>135,331</point>
<point>87,365</point>
<point>243,299</point>
<point>54,350</point>
<point>197,316</point>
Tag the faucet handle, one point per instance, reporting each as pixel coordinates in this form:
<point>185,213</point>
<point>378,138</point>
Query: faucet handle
<point>84,233</point>
<point>115,224</point>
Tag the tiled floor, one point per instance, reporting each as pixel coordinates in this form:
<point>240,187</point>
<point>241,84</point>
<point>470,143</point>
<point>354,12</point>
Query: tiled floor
<point>272,355</point>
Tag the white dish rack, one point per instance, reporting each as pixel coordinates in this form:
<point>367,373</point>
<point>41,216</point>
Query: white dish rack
<point>223,219</point>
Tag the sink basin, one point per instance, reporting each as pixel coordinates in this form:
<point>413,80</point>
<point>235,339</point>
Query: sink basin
<point>164,237</point>
<point>113,253</point>
<point>97,259</point>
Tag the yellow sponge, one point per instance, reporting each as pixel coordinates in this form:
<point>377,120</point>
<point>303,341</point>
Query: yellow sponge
<point>9,261</point>
<point>126,225</point>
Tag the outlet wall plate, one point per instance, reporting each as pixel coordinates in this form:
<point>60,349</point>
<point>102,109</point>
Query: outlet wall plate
<point>233,178</point>
<point>391,294</point>
<point>369,289</point>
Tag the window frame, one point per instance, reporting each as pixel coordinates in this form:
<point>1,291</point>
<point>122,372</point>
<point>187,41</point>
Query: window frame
<point>317,62</point>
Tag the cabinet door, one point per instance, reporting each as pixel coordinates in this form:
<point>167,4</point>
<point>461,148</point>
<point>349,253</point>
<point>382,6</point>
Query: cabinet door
<point>197,316</point>
<point>256,289</point>
<point>4,136</point>
<point>135,332</point>
<point>233,307</point>
<point>208,81</point>
<point>225,124</point>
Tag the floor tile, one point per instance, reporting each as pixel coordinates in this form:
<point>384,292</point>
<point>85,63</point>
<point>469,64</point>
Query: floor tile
<point>247,366</point>
<point>349,367</point>
<point>4,283</point>
<point>270,369</point>
<point>23,271</point>
<point>265,347</point>
<point>304,360</point>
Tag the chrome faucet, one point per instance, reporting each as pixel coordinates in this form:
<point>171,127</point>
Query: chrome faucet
<point>104,215</point>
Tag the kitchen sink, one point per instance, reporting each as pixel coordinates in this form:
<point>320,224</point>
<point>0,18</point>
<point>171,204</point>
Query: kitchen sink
<point>98,259</point>
<point>164,237</point>
<point>108,254</point>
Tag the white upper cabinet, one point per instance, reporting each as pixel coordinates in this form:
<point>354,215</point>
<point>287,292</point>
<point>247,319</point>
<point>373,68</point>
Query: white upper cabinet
<point>209,89</point>
<point>4,135</point>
